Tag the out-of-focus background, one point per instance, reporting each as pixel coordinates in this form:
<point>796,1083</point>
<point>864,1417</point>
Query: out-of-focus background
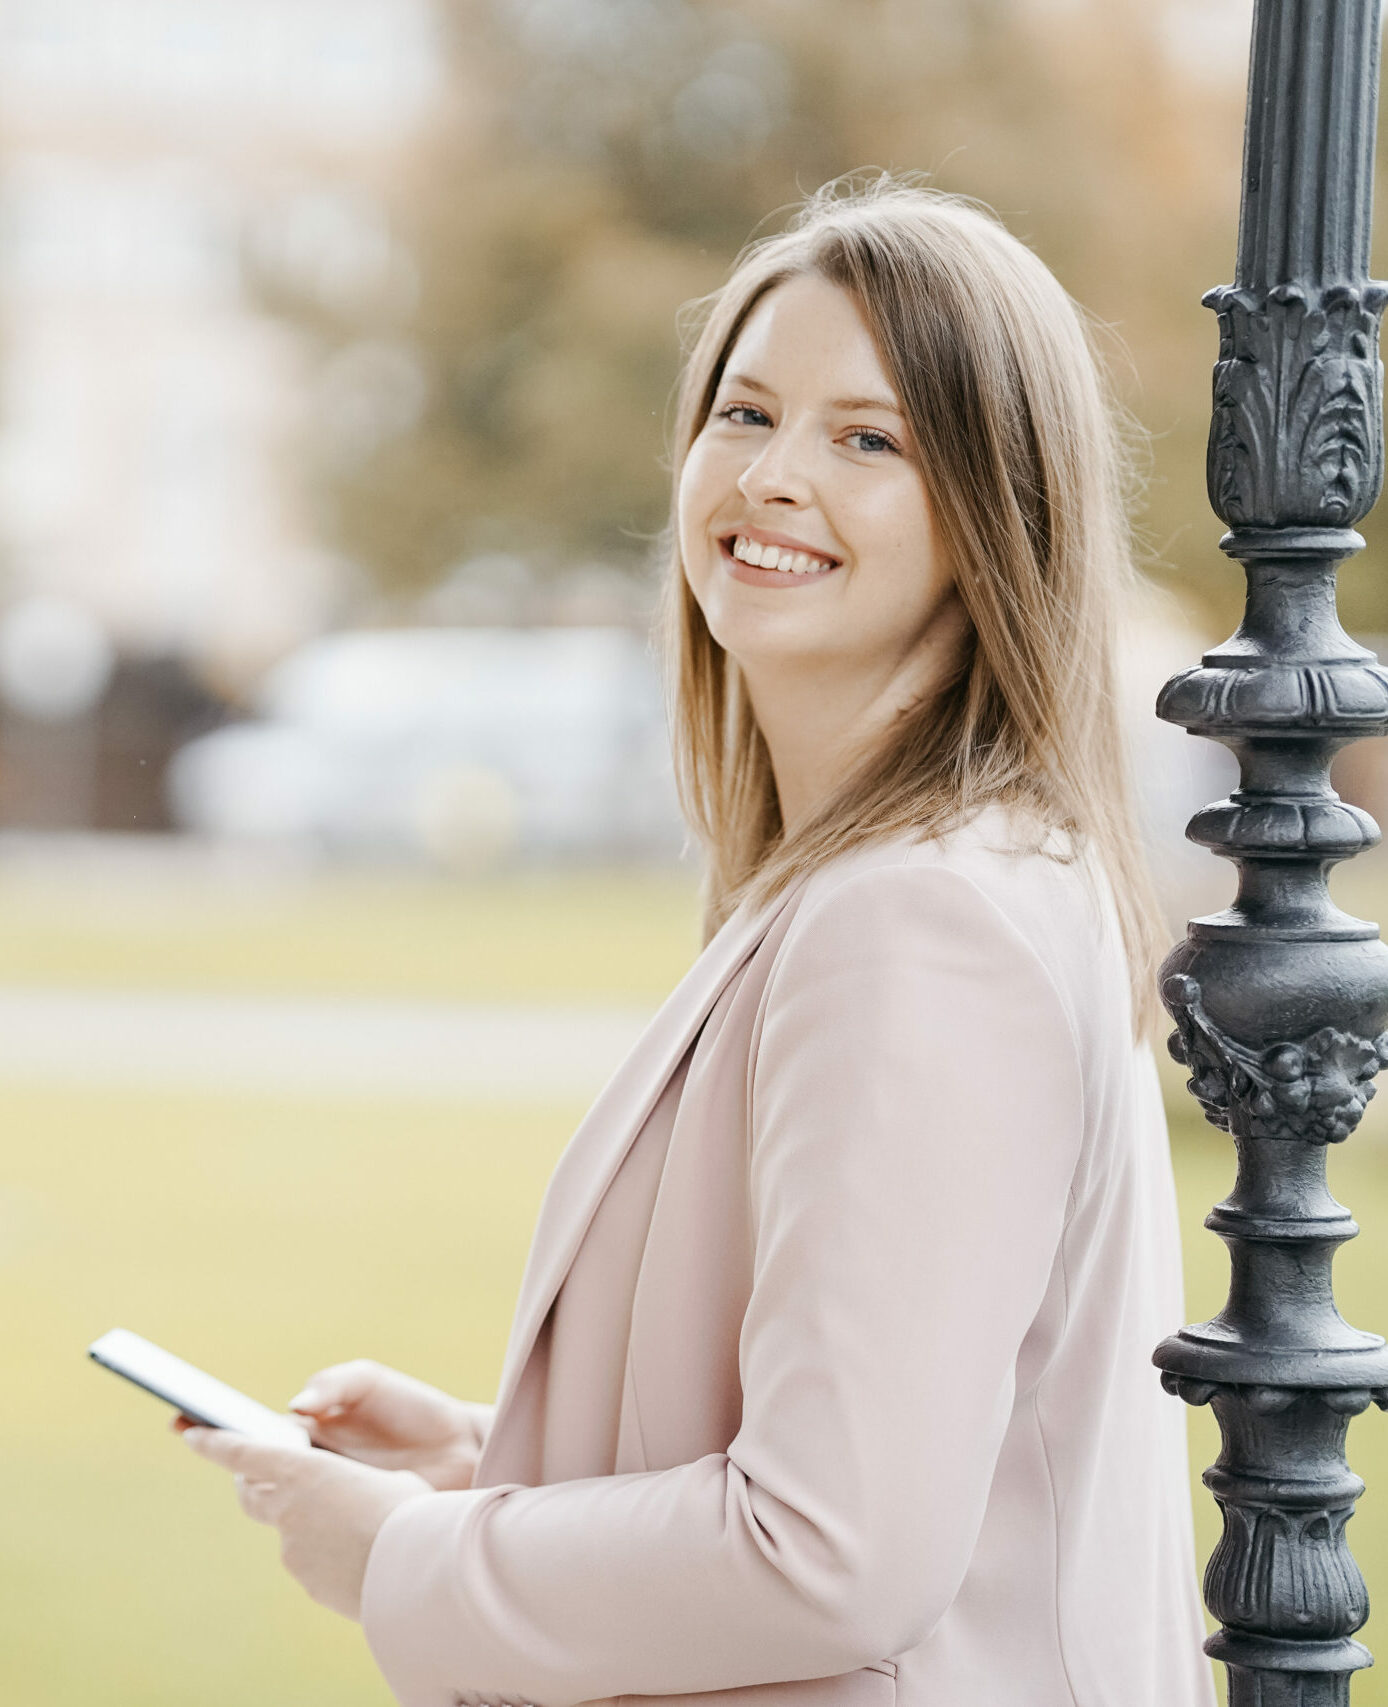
<point>339,858</point>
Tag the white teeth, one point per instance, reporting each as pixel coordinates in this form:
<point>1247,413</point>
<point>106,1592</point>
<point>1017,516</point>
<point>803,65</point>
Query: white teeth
<point>787,562</point>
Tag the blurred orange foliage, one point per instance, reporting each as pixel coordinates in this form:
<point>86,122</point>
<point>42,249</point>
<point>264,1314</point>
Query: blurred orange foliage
<point>597,165</point>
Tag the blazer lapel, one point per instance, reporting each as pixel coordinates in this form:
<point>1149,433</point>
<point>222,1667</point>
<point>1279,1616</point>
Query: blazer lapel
<point>594,1153</point>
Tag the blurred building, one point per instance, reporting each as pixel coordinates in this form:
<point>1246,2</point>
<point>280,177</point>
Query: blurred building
<point>464,747</point>
<point>160,161</point>
<point>148,404</point>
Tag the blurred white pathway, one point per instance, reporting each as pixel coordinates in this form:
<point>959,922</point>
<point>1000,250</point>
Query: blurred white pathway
<point>325,1047</point>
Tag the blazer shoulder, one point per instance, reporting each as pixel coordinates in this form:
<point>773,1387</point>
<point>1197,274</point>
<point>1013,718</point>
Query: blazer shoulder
<point>1028,873</point>
<point>905,941</point>
<point>1000,884</point>
<point>1034,875</point>
<point>897,899</point>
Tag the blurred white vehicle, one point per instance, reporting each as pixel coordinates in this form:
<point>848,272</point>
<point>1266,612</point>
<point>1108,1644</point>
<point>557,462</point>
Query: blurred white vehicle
<point>463,746</point>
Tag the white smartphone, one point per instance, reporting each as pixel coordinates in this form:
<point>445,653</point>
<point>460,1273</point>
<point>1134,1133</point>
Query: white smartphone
<point>193,1391</point>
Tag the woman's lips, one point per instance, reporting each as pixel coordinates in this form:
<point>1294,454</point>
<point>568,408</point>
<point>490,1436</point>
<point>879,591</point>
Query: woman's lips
<point>755,577</point>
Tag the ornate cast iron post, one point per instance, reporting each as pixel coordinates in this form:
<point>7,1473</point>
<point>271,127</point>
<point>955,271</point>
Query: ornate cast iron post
<point>1280,1002</point>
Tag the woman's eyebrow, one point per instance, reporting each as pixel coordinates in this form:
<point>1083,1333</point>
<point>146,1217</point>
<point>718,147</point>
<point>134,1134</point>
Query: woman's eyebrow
<point>747,383</point>
<point>848,404</point>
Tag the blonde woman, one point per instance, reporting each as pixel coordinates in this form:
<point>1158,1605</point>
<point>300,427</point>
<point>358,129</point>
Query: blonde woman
<point>829,1382</point>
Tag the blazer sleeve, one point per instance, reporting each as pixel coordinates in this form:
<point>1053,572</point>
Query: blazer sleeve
<point>916,1114</point>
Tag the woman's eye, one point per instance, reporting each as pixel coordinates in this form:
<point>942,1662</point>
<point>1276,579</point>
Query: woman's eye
<point>873,441</point>
<point>735,409</point>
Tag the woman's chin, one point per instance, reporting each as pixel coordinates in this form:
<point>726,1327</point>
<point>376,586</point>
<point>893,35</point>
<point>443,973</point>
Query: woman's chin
<point>780,644</point>
<point>759,629</point>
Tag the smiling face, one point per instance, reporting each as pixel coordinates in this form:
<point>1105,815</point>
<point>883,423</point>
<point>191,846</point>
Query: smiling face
<point>804,526</point>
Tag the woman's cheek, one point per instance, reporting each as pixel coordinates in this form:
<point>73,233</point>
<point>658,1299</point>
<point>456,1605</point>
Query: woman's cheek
<point>700,500</point>
<point>693,527</point>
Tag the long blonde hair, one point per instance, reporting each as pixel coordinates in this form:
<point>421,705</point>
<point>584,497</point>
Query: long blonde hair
<point>1025,463</point>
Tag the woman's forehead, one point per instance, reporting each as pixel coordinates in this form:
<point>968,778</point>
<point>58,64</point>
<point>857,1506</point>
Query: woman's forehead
<point>807,331</point>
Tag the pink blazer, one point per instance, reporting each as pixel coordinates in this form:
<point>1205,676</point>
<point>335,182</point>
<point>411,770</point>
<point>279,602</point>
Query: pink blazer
<point>830,1377</point>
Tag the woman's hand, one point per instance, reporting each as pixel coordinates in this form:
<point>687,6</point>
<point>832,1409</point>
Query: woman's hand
<point>381,1417</point>
<point>326,1508</point>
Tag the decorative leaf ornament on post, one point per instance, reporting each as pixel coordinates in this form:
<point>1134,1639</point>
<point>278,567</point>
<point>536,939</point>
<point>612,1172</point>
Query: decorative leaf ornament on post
<point>1281,1001</point>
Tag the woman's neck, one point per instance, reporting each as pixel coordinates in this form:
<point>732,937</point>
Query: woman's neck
<point>815,730</point>
<point>819,722</point>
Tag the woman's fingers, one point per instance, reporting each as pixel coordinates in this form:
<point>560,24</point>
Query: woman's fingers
<point>334,1391</point>
<point>389,1420</point>
<point>265,1476</point>
<point>327,1509</point>
<point>250,1458</point>
<point>261,1501</point>
<point>364,1407</point>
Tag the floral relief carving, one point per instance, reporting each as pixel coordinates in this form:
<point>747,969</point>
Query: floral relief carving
<point>1295,436</point>
<point>1286,1573</point>
<point>1316,1089</point>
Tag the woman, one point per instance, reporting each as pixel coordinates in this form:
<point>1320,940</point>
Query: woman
<point>829,1381</point>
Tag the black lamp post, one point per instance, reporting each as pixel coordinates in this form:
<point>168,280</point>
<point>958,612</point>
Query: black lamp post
<point>1281,1001</point>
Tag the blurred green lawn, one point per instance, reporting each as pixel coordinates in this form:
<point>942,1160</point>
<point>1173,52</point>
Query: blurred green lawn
<point>537,936</point>
<point>266,1236</point>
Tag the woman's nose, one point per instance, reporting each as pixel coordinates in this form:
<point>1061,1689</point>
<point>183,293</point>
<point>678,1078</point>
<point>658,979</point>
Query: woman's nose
<point>779,475</point>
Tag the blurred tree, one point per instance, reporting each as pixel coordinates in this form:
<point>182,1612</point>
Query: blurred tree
<point>601,161</point>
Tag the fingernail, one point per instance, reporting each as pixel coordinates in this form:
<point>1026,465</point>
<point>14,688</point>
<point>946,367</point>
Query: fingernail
<point>308,1400</point>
